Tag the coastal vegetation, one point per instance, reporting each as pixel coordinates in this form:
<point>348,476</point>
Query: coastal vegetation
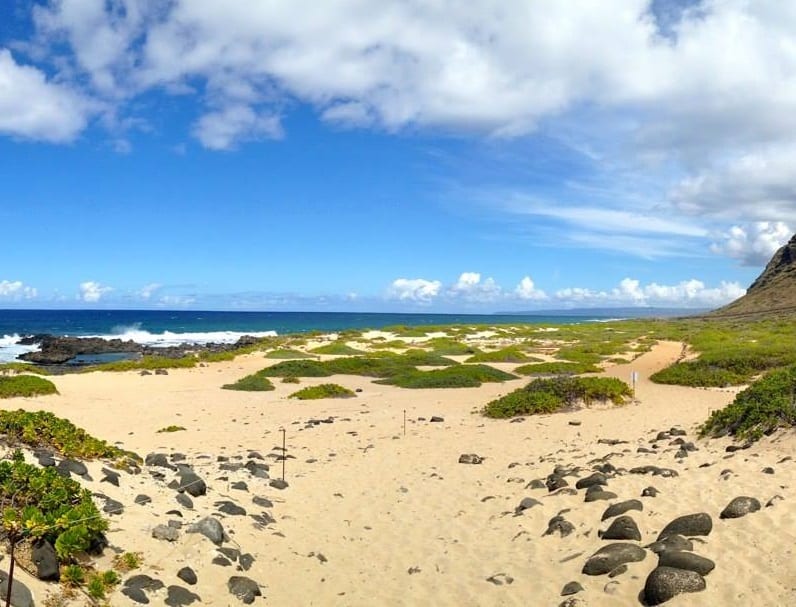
<point>146,363</point>
<point>171,428</point>
<point>510,354</point>
<point>445,346</point>
<point>256,382</point>
<point>551,395</point>
<point>25,385</point>
<point>323,391</point>
<point>557,368</point>
<point>337,348</point>
<point>287,353</point>
<point>459,376</point>
<point>15,367</point>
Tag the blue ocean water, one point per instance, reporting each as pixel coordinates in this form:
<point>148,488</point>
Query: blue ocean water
<point>163,328</point>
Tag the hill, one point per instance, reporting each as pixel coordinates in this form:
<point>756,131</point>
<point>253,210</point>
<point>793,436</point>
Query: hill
<point>774,291</point>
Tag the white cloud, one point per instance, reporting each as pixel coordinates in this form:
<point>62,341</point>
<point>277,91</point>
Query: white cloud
<point>527,290</point>
<point>176,300</point>
<point>754,244</point>
<point>33,107</point>
<point>147,291</point>
<point>92,292</point>
<point>221,130</point>
<point>470,287</point>
<point>630,292</point>
<point>16,290</point>
<point>414,289</point>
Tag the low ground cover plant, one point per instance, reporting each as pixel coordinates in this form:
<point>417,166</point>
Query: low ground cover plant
<point>25,385</point>
<point>504,355</point>
<point>256,382</point>
<point>323,391</point>
<point>459,376</point>
<point>557,368</point>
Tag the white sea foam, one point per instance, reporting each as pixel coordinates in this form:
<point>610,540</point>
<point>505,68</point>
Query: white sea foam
<point>9,350</point>
<point>169,338</point>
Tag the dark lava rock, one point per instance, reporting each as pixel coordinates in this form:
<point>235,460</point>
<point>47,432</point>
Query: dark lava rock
<point>571,588</point>
<point>677,432</point>
<point>655,471</point>
<point>622,507</point>
<point>689,525</point>
<point>20,594</point>
<point>774,500</point>
<point>436,419</point>
<point>46,460</point>
<point>161,372</point>
<point>245,561</point>
<point>686,560</point>
<point>278,483</point>
<point>609,557</point>
<point>554,482</point>
<point>768,470</point>
<point>561,525</point>
<point>500,578</point>
<point>192,484</point>
<point>135,587</point>
<point>622,528</point>
<point>525,504</point>
<point>230,508</point>
<point>617,572</point>
<point>110,476</point>
<point>470,458</point>
<point>185,501</point>
<point>239,485</point>
<point>665,583</point>
<point>671,542</point>
<point>246,589</point>
<point>165,532</point>
<point>221,561</point>
<point>160,460</point>
<point>142,499</point>
<point>598,478</point>
<point>46,561</point>
<point>112,506</point>
<point>231,553</point>
<point>594,496</point>
<point>179,596</point>
<point>740,506</point>
<point>210,528</point>
<point>263,502</point>
<point>187,575</point>
<point>650,492</point>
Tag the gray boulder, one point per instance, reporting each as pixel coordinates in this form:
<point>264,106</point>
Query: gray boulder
<point>610,557</point>
<point>622,507</point>
<point>740,506</point>
<point>45,559</point>
<point>246,589</point>
<point>665,583</point>
<point>622,528</point>
<point>689,525</point>
<point>210,528</point>
<point>686,560</point>
<point>21,596</point>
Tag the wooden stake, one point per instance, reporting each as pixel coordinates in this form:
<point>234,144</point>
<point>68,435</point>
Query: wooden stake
<point>13,538</point>
<point>284,453</point>
<point>404,422</point>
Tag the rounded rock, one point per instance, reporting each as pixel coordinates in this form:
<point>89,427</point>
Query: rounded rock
<point>740,506</point>
<point>664,583</point>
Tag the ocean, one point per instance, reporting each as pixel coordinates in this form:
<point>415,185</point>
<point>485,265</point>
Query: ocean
<point>166,328</point>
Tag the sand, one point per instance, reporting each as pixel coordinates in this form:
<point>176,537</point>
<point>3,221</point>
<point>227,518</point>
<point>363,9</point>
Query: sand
<point>375,517</point>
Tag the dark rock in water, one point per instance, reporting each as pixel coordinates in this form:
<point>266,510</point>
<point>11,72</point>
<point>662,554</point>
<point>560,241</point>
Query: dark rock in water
<point>561,525</point>
<point>436,419</point>
<point>622,528</point>
<point>263,502</point>
<point>595,496</point>
<point>187,575</point>
<point>57,349</point>
<point>230,508</point>
<point>185,501</point>
<point>210,528</point>
<point>278,483</point>
<point>650,492</point>
<point>21,596</point>
<point>159,459</point>
<point>525,504</point>
<point>688,525</point>
<point>622,507</point>
<point>192,484</point>
<point>571,588</point>
<point>179,596</point>
<point>165,532</point>
<point>671,542</point>
<point>609,557</point>
<point>46,561</point>
<point>246,589</point>
<point>665,583</point>
<point>245,561</point>
<point>740,506</point>
<point>554,482</point>
<point>142,499</point>
<point>598,478</point>
<point>686,560</point>
<point>470,458</point>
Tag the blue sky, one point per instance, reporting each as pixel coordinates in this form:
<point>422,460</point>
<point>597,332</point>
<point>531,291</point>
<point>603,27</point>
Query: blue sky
<point>393,156</point>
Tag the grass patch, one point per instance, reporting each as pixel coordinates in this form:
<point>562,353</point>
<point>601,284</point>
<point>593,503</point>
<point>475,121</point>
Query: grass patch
<point>297,368</point>
<point>762,408</point>
<point>459,376</point>
<point>150,363</point>
<point>171,429</point>
<point>25,385</point>
<point>323,391</point>
<point>337,348</point>
<point>557,368</point>
<point>256,382</point>
<point>13,367</point>
<point>287,353</point>
<point>445,346</point>
<point>550,395</point>
<point>504,355</point>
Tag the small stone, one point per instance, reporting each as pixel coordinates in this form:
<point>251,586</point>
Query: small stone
<point>622,528</point>
<point>179,596</point>
<point>436,419</point>
<point>650,492</point>
<point>500,578</point>
<point>574,422</point>
<point>230,508</point>
<point>525,504</point>
<point>142,499</point>
<point>187,575</point>
<point>165,532</point>
<point>44,557</point>
<point>740,506</point>
<point>664,583</point>
<point>263,502</point>
<point>561,525</point>
<point>185,501</point>
<point>768,470</point>
<point>571,588</point>
<point>244,588</point>
<point>210,528</point>
<point>595,479</point>
<point>470,458</point>
<point>671,542</point>
<point>278,483</point>
<point>595,496</point>
<point>774,500</point>
<point>622,507</point>
<point>245,561</point>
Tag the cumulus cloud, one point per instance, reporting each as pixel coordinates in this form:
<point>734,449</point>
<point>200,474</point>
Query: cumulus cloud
<point>753,244</point>
<point>630,292</point>
<point>33,107</point>
<point>16,290</point>
<point>470,287</point>
<point>526,290</point>
<point>417,290</point>
<point>176,300</point>
<point>223,129</point>
<point>92,292</point>
<point>147,291</point>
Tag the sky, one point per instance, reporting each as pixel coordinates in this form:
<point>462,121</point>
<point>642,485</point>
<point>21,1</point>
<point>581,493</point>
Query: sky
<point>393,155</point>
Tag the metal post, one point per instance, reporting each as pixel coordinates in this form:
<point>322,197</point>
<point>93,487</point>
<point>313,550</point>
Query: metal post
<point>404,422</point>
<point>284,453</point>
<point>13,539</point>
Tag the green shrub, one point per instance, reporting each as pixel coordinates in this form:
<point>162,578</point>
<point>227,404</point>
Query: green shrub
<point>337,348</point>
<point>766,405</point>
<point>256,382</point>
<point>290,379</point>
<point>171,429</point>
<point>550,395</point>
<point>557,368</point>
<point>25,385</point>
<point>322,391</point>
<point>15,367</point>
<point>127,561</point>
<point>287,353</point>
<point>149,363</point>
<point>297,368</point>
<point>95,587</point>
<point>73,576</point>
<point>504,355</point>
<point>459,376</point>
<point>445,346</point>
